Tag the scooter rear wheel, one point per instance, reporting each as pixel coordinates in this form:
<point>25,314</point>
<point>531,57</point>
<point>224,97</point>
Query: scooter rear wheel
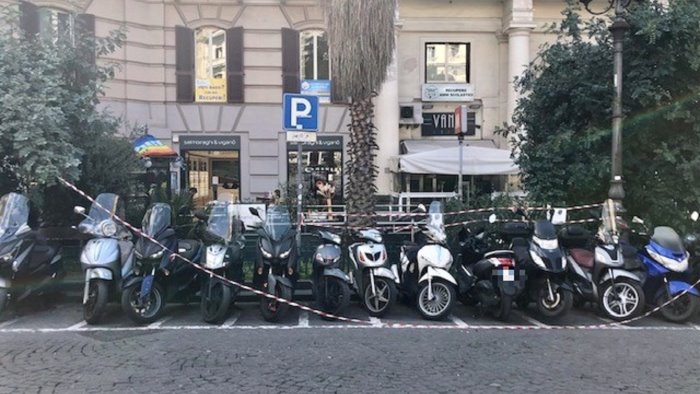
<point>504,308</point>
<point>93,309</point>
<point>3,300</point>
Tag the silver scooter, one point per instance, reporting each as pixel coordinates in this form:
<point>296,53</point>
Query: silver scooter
<point>371,278</point>
<point>104,257</point>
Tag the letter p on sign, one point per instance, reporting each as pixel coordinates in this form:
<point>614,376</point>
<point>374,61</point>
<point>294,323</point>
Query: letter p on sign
<point>300,112</point>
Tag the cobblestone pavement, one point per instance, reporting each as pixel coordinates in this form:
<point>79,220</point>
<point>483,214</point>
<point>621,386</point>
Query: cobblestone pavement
<point>51,350</point>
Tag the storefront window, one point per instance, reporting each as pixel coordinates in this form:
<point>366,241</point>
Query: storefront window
<point>210,65</point>
<point>215,175</point>
<point>447,62</point>
<point>322,165</point>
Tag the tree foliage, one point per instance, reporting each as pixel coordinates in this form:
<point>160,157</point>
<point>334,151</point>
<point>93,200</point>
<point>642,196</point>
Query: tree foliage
<point>565,112</point>
<point>49,122</point>
<point>362,37</point>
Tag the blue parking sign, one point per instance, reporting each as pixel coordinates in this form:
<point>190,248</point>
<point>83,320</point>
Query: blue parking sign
<point>300,112</point>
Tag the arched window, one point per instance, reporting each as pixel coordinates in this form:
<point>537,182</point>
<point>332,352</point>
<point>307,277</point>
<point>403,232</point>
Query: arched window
<point>210,65</point>
<point>313,45</point>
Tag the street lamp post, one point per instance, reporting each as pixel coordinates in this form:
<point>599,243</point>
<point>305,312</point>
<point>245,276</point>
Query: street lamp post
<point>618,29</point>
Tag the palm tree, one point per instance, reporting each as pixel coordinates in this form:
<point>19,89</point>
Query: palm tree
<point>361,33</point>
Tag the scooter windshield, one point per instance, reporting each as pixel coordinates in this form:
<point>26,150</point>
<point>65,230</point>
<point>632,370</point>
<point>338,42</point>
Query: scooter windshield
<point>277,222</point>
<point>108,202</point>
<point>157,218</point>
<point>220,222</point>
<point>436,223</point>
<point>14,212</point>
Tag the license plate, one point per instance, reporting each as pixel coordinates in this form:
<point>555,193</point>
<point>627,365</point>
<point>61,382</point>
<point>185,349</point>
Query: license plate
<point>508,274</point>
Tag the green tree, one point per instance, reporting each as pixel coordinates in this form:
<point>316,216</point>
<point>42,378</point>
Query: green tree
<point>49,122</point>
<point>363,35</point>
<point>565,113</point>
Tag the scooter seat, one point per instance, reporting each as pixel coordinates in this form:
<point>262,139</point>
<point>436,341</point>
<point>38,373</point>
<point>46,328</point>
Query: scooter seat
<point>584,258</point>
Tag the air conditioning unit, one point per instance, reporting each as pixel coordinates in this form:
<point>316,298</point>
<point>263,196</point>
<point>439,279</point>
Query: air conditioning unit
<point>411,113</point>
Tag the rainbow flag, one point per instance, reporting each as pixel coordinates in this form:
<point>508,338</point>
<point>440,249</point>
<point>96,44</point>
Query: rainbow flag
<point>149,146</point>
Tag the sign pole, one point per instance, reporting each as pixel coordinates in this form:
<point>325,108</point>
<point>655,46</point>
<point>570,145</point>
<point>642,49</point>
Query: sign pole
<point>300,190</point>
<point>461,166</point>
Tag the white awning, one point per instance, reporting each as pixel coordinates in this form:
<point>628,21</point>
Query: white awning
<point>445,161</point>
<point>415,146</point>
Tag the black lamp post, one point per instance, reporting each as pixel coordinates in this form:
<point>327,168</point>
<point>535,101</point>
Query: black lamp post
<point>618,29</point>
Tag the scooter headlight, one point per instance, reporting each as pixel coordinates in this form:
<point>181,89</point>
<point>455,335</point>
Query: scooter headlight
<point>15,265</point>
<point>563,262</point>
<point>156,255</point>
<point>108,228</point>
<point>537,259</point>
<point>286,254</point>
<point>6,258</point>
<point>265,253</point>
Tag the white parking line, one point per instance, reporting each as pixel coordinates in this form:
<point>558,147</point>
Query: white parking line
<point>232,320</point>
<point>375,321</point>
<point>77,326</point>
<point>9,322</point>
<point>159,323</point>
<point>303,319</point>
<point>459,322</point>
<point>693,326</point>
<point>532,321</point>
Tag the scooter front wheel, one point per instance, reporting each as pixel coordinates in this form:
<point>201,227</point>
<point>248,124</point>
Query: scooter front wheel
<point>94,307</point>
<point>679,310</point>
<point>273,310</point>
<point>3,299</point>
<point>379,302</point>
<point>440,305</point>
<point>333,295</point>
<point>621,301</point>
<point>143,311</point>
<point>215,302</point>
<point>557,307</point>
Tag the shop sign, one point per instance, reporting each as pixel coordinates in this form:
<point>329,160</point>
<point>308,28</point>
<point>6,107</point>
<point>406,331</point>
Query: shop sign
<point>443,123</point>
<point>321,143</point>
<point>317,87</point>
<point>210,142</point>
<point>210,90</point>
<point>461,92</point>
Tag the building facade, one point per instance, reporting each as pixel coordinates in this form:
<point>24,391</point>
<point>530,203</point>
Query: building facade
<point>207,78</point>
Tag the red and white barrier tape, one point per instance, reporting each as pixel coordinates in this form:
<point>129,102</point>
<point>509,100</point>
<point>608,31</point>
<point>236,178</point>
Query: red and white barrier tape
<point>353,320</point>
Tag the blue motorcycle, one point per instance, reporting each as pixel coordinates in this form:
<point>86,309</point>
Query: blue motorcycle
<point>666,260</point>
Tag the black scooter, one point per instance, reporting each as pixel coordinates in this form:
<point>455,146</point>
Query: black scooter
<point>276,268</point>
<point>487,276</point>
<point>155,277</point>
<point>28,265</point>
<point>330,284</point>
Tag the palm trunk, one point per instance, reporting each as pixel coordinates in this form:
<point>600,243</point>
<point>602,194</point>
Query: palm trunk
<point>362,173</point>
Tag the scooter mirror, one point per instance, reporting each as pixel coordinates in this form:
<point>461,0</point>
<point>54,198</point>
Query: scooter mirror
<point>637,220</point>
<point>694,216</point>
<point>254,211</point>
<point>492,218</point>
<point>421,208</point>
<point>79,210</point>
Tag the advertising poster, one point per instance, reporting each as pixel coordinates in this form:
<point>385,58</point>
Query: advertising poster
<point>210,90</point>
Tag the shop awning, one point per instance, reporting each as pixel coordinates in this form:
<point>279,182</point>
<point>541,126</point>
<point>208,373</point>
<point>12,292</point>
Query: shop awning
<point>415,146</point>
<point>149,146</point>
<point>445,161</point>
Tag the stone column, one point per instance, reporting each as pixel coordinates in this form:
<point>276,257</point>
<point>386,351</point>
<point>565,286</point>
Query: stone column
<point>386,120</point>
<point>518,59</point>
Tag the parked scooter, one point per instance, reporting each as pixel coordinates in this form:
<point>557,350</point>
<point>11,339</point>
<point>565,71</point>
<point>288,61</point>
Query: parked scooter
<point>425,268</point>
<point>669,275</point>
<point>276,268</point>
<point>224,243</point>
<point>155,277</point>
<point>372,279</point>
<point>28,265</point>
<point>104,256</point>
<point>613,275</point>
<point>486,278</point>
<point>330,283</point>
<point>544,264</point>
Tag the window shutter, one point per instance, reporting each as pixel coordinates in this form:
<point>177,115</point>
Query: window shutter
<point>290,61</point>
<point>234,65</point>
<point>184,64</point>
<point>29,18</point>
<point>85,28</point>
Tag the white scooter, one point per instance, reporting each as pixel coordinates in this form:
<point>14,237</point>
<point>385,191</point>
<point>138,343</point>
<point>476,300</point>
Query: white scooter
<point>425,268</point>
<point>373,281</point>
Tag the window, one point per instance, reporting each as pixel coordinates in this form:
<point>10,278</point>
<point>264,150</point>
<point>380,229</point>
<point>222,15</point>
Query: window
<point>210,65</point>
<point>313,45</point>
<point>446,62</point>
<point>54,23</point>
